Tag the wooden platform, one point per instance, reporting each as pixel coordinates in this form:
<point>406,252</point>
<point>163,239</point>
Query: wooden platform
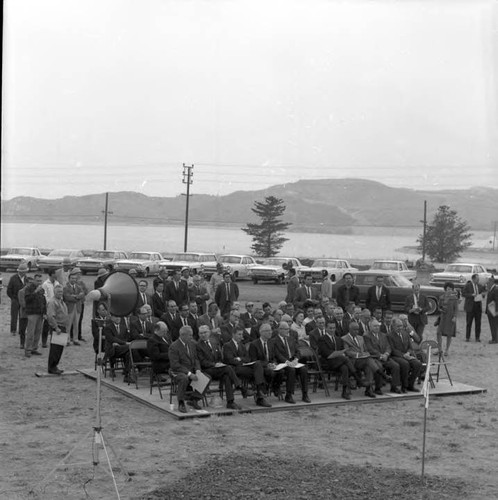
<point>217,406</point>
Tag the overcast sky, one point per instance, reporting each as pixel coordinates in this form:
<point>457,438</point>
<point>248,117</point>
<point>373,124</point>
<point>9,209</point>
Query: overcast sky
<point>113,95</point>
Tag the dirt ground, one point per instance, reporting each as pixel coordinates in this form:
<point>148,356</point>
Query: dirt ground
<point>353,451</point>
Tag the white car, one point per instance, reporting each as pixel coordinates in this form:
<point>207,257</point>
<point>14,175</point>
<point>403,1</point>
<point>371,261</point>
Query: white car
<point>459,273</point>
<point>276,269</point>
<point>55,258</point>
<point>145,263</point>
<point>28,255</point>
<point>195,261</point>
<point>100,259</point>
<point>239,266</point>
<point>394,266</point>
<point>335,267</point>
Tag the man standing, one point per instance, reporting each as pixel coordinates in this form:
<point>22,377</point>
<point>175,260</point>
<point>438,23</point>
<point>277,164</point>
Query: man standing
<point>57,319</point>
<point>378,295</point>
<point>348,292</point>
<point>306,295</point>
<point>416,306</point>
<point>492,309</point>
<point>292,286</point>
<point>73,297</point>
<point>226,294</point>
<point>198,292</point>
<point>23,318</point>
<point>36,307</point>
<point>184,364</point>
<point>326,288</point>
<point>48,288</point>
<point>474,294</point>
<point>62,274</point>
<point>16,282</point>
<point>84,290</point>
<point>143,297</point>
<point>176,289</point>
<point>216,280</point>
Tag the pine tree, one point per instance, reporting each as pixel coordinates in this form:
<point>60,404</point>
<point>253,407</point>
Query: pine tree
<point>268,235</point>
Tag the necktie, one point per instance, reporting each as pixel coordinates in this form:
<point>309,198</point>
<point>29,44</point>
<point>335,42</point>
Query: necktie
<point>188,350</point>
<point>144,298</point>
<point>356,342</point>
<point>143,326</point>
<point>265,348</point>
<point>378,292</point>
<point>476,291</point>
<point>287,347</point>
<point>309,292</point>
<point>209,345</point>
<point>213,323</point>
<point>228,291</point>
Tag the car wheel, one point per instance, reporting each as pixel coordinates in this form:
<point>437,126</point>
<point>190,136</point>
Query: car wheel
<point>255,281</point>
<point>432,305</point>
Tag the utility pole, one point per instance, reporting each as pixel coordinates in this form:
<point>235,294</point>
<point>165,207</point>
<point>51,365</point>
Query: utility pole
<point>187,179</point>
<point>106,212</point>
<point>424,231</point>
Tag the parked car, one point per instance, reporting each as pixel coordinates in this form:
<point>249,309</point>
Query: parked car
<point>54,259</point>
<point>100,259</point>
<point>195,261</point>
<point>145,263</point>
<point>459,273</point>
<point>399,286</point>
<point>16,255</point>
<point>239,266</point>
<point>395,266</point>
<point>275,269</point>
<point>335,267</point>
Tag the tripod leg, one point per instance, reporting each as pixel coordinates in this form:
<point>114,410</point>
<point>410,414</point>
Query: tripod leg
<point>124,471</point>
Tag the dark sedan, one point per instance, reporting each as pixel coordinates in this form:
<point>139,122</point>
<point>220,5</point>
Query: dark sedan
<point>399,286</point>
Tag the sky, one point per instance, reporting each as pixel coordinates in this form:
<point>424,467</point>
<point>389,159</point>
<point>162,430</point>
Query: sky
<point>116,95</point>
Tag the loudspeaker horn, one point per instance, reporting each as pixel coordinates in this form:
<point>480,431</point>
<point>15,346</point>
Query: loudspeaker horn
<point>122,290</point>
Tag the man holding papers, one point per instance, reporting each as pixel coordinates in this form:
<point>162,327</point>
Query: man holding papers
<point>57,318</point>
<point>285,352</point>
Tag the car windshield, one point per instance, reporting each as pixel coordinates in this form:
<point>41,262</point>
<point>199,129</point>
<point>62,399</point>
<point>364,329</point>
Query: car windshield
<point>229,259</point>
<point>104,255</point>
<point>324,263</point>
<point>140,256</point>
<point>20,251</point>
<point>401,281</point>
<point>60,253</point>
<point>388,266</point>
<point>458,268</point>
<point>185,257</point>
<point>274,262</point>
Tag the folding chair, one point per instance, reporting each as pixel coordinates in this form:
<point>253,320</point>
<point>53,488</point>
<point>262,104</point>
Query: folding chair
<point>139,346</point>
<point>155,379</point>
<point>188,394</point>
<point>435,351</point>
<point>308,356</point>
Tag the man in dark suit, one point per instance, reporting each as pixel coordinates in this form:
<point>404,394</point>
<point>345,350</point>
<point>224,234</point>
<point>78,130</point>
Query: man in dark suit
<point>184,364</point>
<point>306,295</point>
<point>341,325</point>
<point>170,317</point>
<point>333,357</point>
<point>235,354</point>
<point>492,309</point>
<point>158,302</point>
<point>157,348</point>
<point>364,322</point>
<point>473,293</point>
<point>377,344</point>
<point>141,327</point>
<point>416,306</point>
<point>403,354</point>
<point>16,283</point>
<point>176,289</point>
<point>285,351</point>
<point>228,328</point>
<point>386,325</point>
<point>199,293</point>
<point>116,344</point>
<point>316,333</point>
<point>184,319</point>
<point>347,293</point>
<point>378,295</point>
<point>143,297</point>
<point>247,317</point>
<point>226,294</point>
<point>210,359</point>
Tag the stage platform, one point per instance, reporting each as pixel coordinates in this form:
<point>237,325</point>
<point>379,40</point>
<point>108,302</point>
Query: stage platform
<point>217,407</point>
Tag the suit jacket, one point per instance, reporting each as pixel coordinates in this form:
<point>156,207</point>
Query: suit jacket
<point>208,357</point>
<point>257,352</point>
<point>137,331</point>
<point>364,328</point>
<point>15,284</point>
<point>230,352</point>
<point>141,302</point>
<point>224,299</point>
<point>310,326</point>
<point>177,292</point>
<point>158,305</point>
<point>342,328</point>
<point>385,329</point>
<point>280,351</point>
<point>315,337</point>
<point>170,321</point>
<point>205,319</point>
<point>157,350</point>
<point>182,360</point>
<point>400,345</point>
<point>354,350</point>
<point>71,298</point>
<point>343,298</point>
<point>302,296</point>
<point>327,345</point>
<point>63,276</point>
<point>468,293</point>
<point>227,331</point>
<point>292,287</point>
<point>384,302</point>
<point>178,323</point>
<point>377,346</point>
<point>248,322</point>
<point>113,336</point>
<point>200,295</point>
<point>492,297</point>
<point>422,303</point>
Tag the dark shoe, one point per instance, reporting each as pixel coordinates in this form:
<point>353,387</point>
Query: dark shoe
<point>232,405</point>
<point>54,372</point>
<point>75,342</point>
<point>127,380</point>
<point>263,402</point>
<point>412,389</point>
<point>396,390</point>
<point>36,353</point>
<point>246,392</point>
<point>403,390</point>
<point>369,393</point>
<point>492,342</point>
<point>289,399</point>
<point>378,392</point>
<point>478,340</point>
<point>44,346</point>
<point>60,371</point>
<point>345,394</point>
<point>194,404</point>
<point>385,376</point>
<point>82,340</point>
<point>277,393</point>
<point>306,399</point>
<point>181,407</point>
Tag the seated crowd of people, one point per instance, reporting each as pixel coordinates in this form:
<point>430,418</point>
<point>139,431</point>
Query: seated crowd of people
<point>191,326</point>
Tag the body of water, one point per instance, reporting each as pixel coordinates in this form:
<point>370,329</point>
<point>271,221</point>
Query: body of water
<point>366,243</point>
